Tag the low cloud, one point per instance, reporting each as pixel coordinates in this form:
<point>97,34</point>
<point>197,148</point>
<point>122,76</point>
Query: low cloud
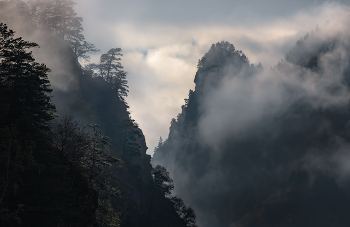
<point>234,161</point>
<point>164,56</point>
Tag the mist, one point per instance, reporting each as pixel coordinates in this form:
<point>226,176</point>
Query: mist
<point>263,137</point>
<point>254,144</point>
<point>166,46</point>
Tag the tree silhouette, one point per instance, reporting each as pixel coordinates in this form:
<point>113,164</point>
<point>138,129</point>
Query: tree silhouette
<point>185,213</point>
<point>60,17</point>
<point>97,161</point>
<point>110,69</point>
<point>25,112</point>
<point>162,181</point>
<point>81,48</point>
<point>24,83</point>
<point>70,139</point>
<point>88,154</point>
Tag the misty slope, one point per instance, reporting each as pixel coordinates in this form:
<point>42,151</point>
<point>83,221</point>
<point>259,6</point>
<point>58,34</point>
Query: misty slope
<point>92,100</point>
<point>60,193</point>
<point>266,147</point>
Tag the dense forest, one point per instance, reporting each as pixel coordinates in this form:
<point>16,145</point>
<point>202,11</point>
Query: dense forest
<point>70,153</point>
<point>266,147</point>
<point>253,146</point>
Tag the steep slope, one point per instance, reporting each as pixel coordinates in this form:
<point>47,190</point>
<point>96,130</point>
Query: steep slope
<point>58,195</point>
<point>244,130</point>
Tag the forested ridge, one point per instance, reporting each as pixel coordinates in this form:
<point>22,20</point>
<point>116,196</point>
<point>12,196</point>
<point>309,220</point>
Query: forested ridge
<point>265,147</point>
<point>253,146</point>
<point>71,155</point>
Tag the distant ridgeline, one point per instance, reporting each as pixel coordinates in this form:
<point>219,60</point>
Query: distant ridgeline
<point>266,147</point>
<point>55,170</point>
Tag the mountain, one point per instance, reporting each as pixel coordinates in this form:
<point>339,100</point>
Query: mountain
<point>89,166</point>
<point>265,147</point>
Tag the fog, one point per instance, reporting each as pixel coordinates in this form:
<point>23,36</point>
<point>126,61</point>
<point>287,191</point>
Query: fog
<point>252,126</point>
<point>232,155</point>
<point>162,43</point>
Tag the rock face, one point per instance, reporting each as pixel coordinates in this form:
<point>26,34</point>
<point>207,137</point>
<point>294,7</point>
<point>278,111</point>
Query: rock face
<point>139,167</point>
<point>234,147</point>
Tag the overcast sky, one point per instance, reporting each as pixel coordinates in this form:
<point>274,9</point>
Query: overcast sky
<point>162,42</point>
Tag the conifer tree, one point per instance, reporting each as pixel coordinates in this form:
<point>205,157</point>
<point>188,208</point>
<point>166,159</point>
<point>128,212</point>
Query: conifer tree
<point>24,84</point>
<point>70,27</point>
<point>60,17</point>
<point>162,181</point>
<point>25,112</point>
<point>111,70</point>
<point>185,213</point>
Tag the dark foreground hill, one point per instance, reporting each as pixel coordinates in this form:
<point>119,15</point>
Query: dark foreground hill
<point>70,153</point>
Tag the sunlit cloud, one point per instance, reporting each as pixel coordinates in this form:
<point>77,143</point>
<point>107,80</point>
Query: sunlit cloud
<point>161,57</point>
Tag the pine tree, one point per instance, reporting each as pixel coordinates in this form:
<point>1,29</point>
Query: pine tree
<point>111,70</point>
<point>81,47</point>
<point>185,213</point>
<point>25,112</point>
<point>44,15</point>
<point>60,17</point>
<point>162,181</point>
<point>70,27</point>
<point>24,84</point>
<point>164,185</point>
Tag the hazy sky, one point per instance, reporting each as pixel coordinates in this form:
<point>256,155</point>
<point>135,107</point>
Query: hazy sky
<point>162,42</point>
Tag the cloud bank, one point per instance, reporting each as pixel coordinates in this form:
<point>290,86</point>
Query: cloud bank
<point>163,42</point>
<point>268,147</point>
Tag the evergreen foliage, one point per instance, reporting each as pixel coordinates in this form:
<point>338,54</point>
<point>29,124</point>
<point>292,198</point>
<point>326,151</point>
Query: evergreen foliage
<point>162,180</point>
<point>57,172</point>
<point>110,69</point>
<point>26,110</point>
<point>57,16</point>
<point>253,182</point>
<point>24,84</point>
<point>164,185</point>
<point>185,213</point>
